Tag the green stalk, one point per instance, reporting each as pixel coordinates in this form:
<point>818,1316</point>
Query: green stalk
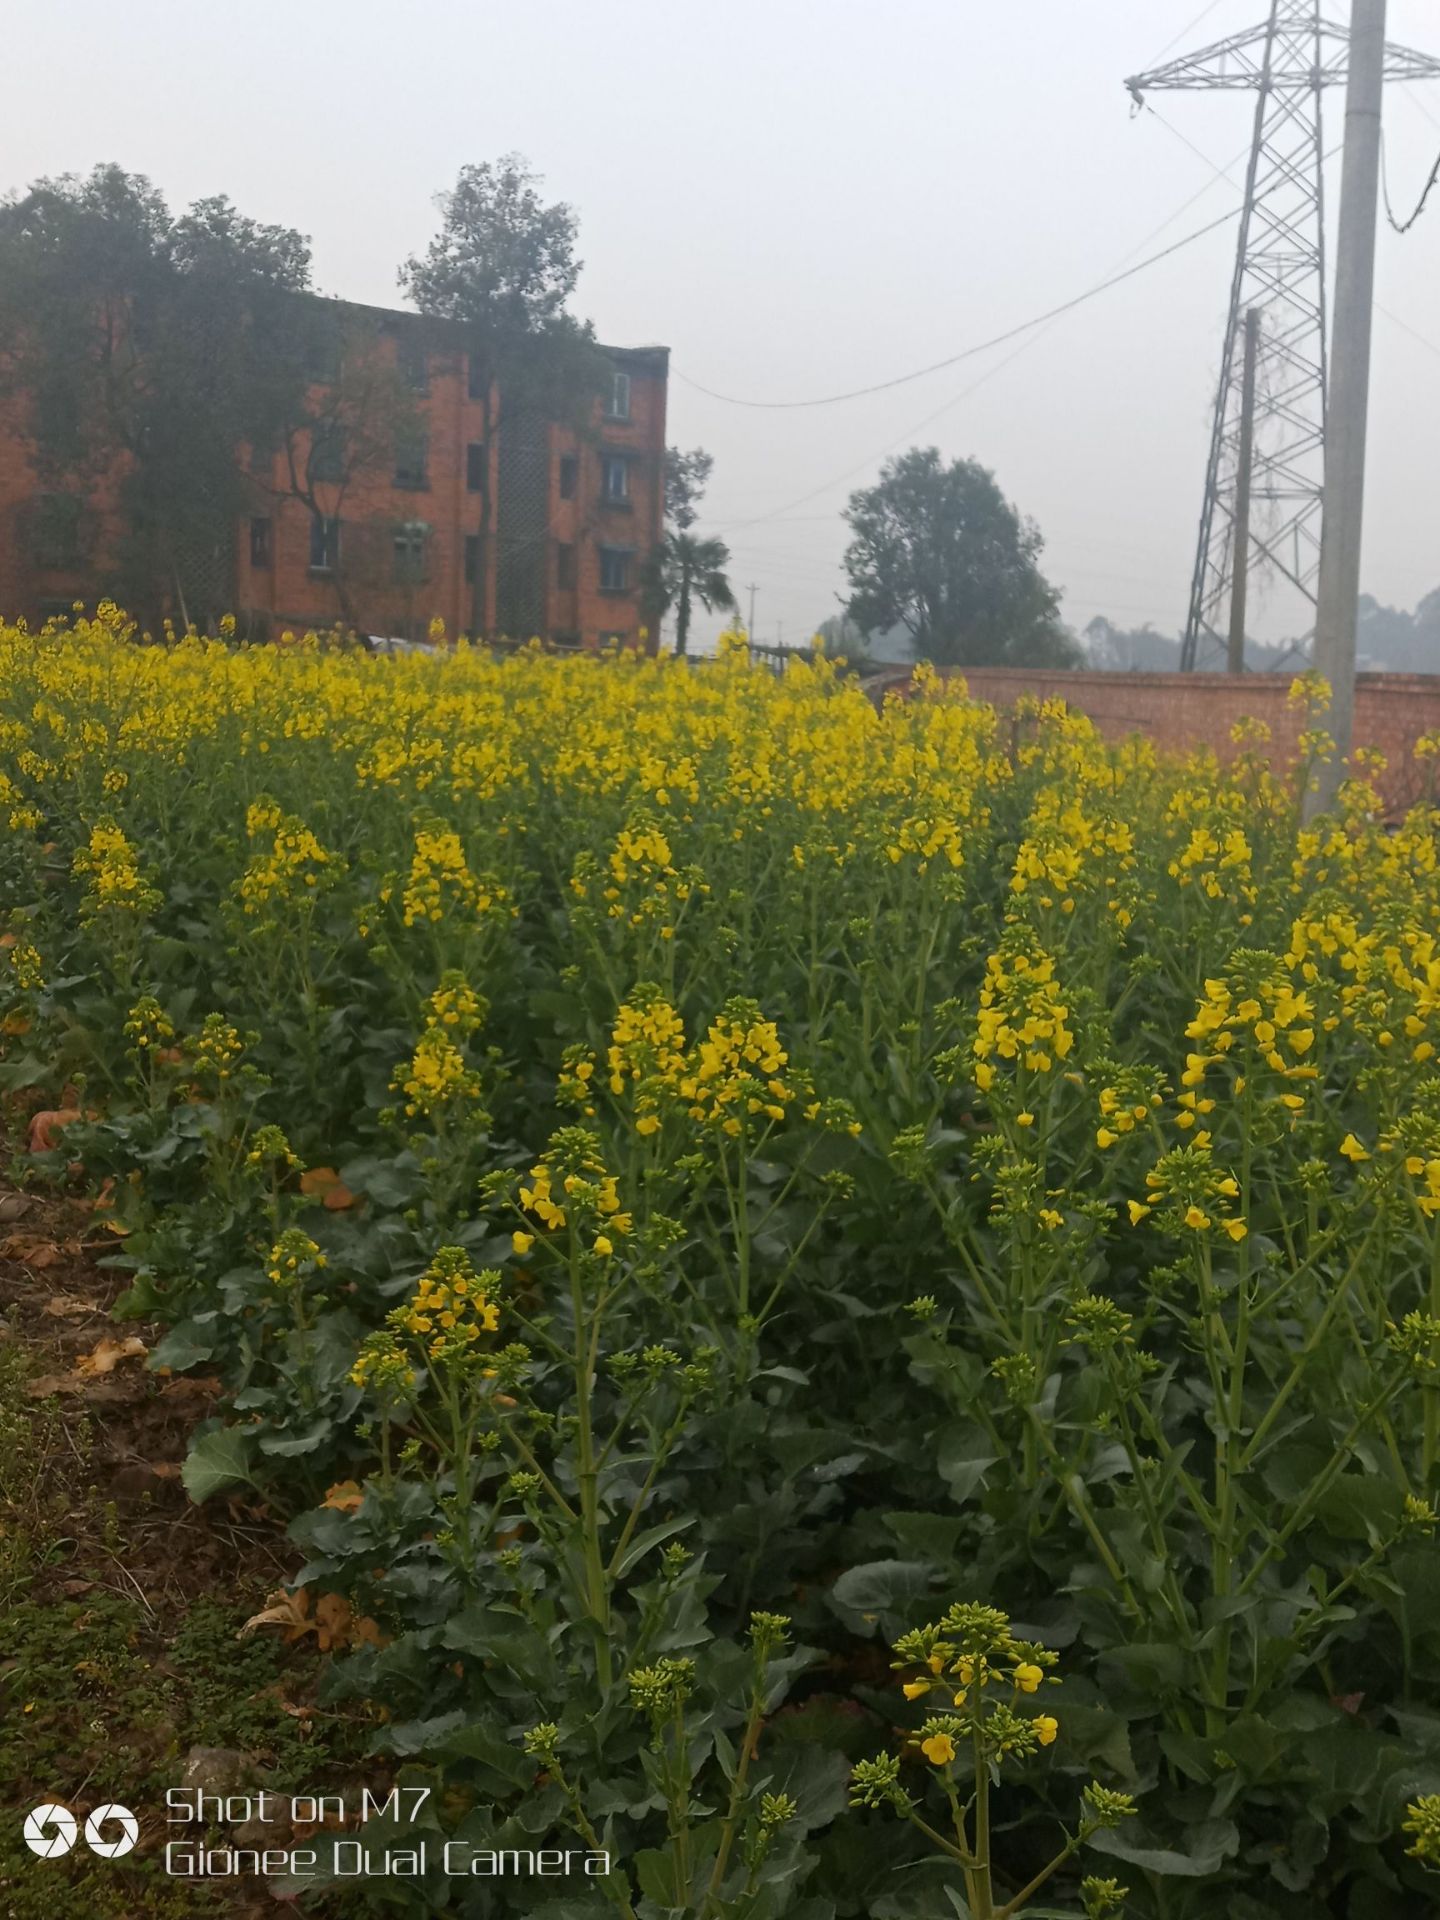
<point>982,1899</point>
<point>1431,1388</point>
<point>587,1474</point>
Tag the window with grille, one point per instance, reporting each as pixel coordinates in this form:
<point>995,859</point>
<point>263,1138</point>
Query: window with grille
<point>569,475</point>
<point>322,357</point>
<point>411,553</point>
<point>55,530</point>
<point>615,569</point>
<point>412,460</point>
<point>414,363</point>
<point>260,541</point>
<point>324,543</point>
<point>475,467</point>
<point>565,565</point>
<point>615,478</point>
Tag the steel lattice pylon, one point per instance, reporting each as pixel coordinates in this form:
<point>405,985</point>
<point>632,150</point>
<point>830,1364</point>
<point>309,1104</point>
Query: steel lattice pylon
<point>1288,62</point>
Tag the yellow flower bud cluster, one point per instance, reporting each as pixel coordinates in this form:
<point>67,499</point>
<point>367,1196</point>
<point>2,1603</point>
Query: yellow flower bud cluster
<point>111,869</point>
<point>291,866</point>
<point>27,967</point>
<point>1023,1018</point>
<point>451,1307</point>
<point>571,1186</point>
<point>440,882</point>
<point>736,1075</point>
<point>437,1078</point>
<point>293,1256</point>
<point>148,1026</point>
<point>971,1660</point>
<point>1219,864</point>
<point>1188,1193</point>
<point>647,1054</point>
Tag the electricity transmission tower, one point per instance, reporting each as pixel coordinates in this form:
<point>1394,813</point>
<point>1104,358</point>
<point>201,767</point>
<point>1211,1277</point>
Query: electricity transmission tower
<point>1288,62</point>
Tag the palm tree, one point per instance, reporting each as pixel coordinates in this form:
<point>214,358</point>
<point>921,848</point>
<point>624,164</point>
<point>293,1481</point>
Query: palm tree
<point>683,569</point>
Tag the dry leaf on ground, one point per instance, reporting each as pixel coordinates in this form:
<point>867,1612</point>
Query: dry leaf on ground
<point>30,1250</point>
<point>61,1306</point>
<point>288,1611</point>
<point>106,1355</point>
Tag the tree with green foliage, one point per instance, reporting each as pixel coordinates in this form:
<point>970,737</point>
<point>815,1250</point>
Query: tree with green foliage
<point>503,268</point>
<point>940,551</point>
<point>148,349</point>
<point>686,477</point>
<point>685,567</point>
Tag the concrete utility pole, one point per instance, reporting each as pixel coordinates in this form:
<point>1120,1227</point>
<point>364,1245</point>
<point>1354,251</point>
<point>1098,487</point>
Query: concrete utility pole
<point>750,630</point>
<point>1240,566</point>
<point>1337,607</point>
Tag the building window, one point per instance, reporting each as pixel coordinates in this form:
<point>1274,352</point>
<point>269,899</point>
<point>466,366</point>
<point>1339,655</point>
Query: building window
<point>615,478</point>
<point>414,363</point>
<point>411,553</point>
<point>327,454</point>
<point>472,558</point>
<point>617,407</point>
<point>615,569</point>
<point>55,531</point>
<point>322,357</point>
<point>475,378</point>
<point>324,543</point>
<point>564,565</point>
<point>569,475</point>
<point>260,541</point>
<point>475,466</point>
<point>412,458</point>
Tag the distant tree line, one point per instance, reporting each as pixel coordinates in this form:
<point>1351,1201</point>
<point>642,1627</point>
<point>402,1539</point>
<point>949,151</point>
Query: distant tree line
<point>1388,640</point>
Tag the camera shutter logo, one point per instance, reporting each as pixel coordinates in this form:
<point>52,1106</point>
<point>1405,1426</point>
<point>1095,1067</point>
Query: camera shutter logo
<point>50,1831</point>
<point>116,1814</point>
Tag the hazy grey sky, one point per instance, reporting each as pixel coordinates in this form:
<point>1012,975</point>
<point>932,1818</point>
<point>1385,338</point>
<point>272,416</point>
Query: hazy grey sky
<point>797,197</point>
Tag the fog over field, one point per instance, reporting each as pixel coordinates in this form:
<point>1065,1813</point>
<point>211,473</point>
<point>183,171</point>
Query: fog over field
<point>803,198</point>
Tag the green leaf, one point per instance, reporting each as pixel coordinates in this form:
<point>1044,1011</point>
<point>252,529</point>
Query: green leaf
<point>964,1457</point>
<point>181,1349</point>
<point>894,1593</point>
<point>655,1870</point>
<point>1211,1843</point>
<point>931,1534</point>
<point>494,1755</point>
<point>643,1542</point>
<point>217,1460</point>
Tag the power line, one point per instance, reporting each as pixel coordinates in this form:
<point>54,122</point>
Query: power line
<point>967,353</point>
<point>1385,182</point>
<point>804,499</point>
<point>1184,34</point>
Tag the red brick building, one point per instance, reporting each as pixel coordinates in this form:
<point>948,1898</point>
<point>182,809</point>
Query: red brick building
<point>394,541</point>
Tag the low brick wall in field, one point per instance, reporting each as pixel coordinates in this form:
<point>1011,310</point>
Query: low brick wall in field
<point>1183,711</point>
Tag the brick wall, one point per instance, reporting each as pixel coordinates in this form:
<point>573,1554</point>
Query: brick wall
<point>1184,711</point>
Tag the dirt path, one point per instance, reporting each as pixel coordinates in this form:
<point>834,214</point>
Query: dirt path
<point>120,1671</point>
